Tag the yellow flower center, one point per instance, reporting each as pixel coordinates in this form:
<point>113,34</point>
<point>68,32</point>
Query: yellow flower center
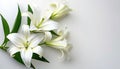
<point>27,44</point>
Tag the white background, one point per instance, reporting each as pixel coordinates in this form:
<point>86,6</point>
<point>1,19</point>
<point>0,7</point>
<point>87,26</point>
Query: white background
<point>94,27</point>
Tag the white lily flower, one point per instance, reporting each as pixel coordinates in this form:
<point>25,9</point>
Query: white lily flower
<point>59,10</point>
<point>40,23</point>
<point>26,43</point>
<point>60,42</point>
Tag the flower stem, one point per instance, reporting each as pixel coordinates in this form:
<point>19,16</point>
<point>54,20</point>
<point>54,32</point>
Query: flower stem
<point>3,48</point>
<point>42,43</point>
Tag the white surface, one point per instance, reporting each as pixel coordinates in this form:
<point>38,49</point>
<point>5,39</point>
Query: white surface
<point>94,33</point>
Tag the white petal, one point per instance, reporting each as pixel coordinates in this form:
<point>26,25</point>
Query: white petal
<point>60,11</point>
<point>36,12</point>
<point>62,54</point>
<point>63,31</point>
<point>32,27</point>
<point>35,39</point>
<point>61,37</point>
<point>49,25</point>
<point>47,15</point>
<point>26,56</point>
<point>38,50</point>
<point>12,50</point>
<point>58,44</point>
<point>16,39</point>
<point>25,30</point>
<point>29,14</point>
<point>47,37</point>
<point>63,10</point>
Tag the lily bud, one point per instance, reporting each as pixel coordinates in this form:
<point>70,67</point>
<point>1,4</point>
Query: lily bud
<point>59,11</point>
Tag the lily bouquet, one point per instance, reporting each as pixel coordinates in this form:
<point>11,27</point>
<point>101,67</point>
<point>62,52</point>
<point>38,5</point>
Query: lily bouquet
<point>26,44</point>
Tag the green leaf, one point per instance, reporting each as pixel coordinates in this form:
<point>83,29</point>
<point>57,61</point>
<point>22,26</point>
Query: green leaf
<point>37,57</point>
<point>5,28</point>
<point>18,58</point>
<point>17,22</point>
<point>54,33</point>
<point>28,19</point>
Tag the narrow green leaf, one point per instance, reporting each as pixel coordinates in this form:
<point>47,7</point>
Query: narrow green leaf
<point>18,58</point>
<point>54,33</point>
<point>5,28</point>
<point>28,19</point>
<point>17,22</point>
<point>37,57</point>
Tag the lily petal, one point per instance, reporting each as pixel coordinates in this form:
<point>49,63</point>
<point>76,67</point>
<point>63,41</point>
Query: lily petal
<point>36,11</point>
<point>49,25</point>
<point>60,10</point>
<point>35,39</point>
<point>38,50</point>
<point>33,17</point>
<point>16,39</point>
<point>25,31</point>
<point>47,37</point>
<point>47,15</point>
<point>58,44</point>
<point>33,28</point>
<point>59,38</point>
<point>28,14</point>
<point>62,54</point>
<point>63,31</point>
<point>26,55</point>
<point>12,50</point>
<point>63,10</point>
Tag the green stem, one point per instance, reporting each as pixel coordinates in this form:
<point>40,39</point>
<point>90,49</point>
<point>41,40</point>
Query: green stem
<point>42,43</point>
<point>3,48</point>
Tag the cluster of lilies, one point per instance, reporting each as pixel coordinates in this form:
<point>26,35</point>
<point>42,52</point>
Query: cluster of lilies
<point>43,30</point>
